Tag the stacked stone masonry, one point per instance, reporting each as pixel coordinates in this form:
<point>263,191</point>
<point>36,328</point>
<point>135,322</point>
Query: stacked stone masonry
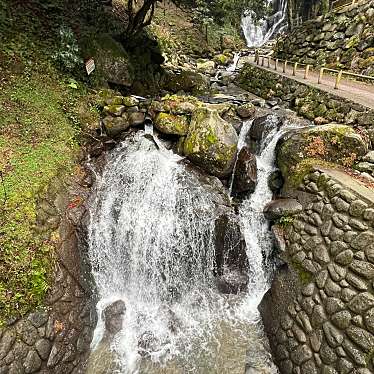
<point>307,101</point>
<point>341,39</point>
<point>325,321</point>
<point>57,337</point>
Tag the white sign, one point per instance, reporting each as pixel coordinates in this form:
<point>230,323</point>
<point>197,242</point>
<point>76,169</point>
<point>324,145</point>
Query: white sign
<point>90,66</point>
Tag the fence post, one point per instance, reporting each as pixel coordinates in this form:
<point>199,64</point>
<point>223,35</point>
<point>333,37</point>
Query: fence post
<point>256,56</point>
<point>338,78</point>
<point>269,62</point>
<point>294,68</point>
<point>285,66</point>
<point>276,65</point>
<point>306,71</point>
<point>263,61</point>
<point>320,75</point>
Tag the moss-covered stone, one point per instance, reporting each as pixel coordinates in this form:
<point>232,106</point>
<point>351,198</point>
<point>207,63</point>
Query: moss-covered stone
<point>221,59</point>
<point>171,124</point>
<point>211,142</point>
<point>186,81</point>
<point>334,143</point>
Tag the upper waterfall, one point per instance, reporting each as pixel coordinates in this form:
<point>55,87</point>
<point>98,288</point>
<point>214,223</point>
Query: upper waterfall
<point>259,32</point>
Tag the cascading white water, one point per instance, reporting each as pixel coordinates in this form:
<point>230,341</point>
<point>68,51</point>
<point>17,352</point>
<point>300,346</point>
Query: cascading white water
<point>234,64</point>
<point>259,32</point>
<point>251,211</point>
<point>151,244</point>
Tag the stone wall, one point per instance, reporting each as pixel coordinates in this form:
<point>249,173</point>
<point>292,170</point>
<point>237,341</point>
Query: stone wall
<point>56,338</point>
<point>347,35</point>
<point>319,312</point>
<point>307,101</point>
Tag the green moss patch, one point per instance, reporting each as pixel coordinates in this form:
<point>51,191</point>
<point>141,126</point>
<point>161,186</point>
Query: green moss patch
<point>41,118</point>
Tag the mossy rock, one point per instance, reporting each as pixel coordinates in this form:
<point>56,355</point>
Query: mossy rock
<point>112,62</point>
<point>130,101</point>
<point>171,124</point>
<point>186,81</point>
<point>334,143</point>
<point>115,125</point>
<point>211,142</point>
<point>176,104</point>
<point>221,59</point>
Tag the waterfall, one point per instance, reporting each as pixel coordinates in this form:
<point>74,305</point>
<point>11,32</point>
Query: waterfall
<point>151,244</point>
<point>259,32</point>
<point>234,64</point>
<point>252,218</point>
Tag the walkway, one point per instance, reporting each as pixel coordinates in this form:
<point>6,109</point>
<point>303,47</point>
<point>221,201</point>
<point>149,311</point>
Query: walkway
<point>358,92</point>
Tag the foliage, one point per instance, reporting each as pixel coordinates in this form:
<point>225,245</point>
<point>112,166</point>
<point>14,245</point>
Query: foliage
<point>67,55</point>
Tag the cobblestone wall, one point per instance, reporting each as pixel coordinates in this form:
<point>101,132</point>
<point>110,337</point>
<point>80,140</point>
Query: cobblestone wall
<point>319,313</point>
<point>341,39</point>
<point>56,338</point>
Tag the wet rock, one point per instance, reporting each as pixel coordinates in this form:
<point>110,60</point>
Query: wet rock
<point>103,359</point>
<point>245,174</point>
<point>211,142</point>
<point>275,181</point>
<point>282,207</point>
<point>232,281</point>
<point>262,126</point>
<point>113,316</point>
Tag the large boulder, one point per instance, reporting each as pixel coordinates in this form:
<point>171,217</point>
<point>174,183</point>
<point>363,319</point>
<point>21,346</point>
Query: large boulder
<point>114,126</point>
<point>277,209</point>
<point>171,124</point>
<point>186,81</point>
<point>211,142</point>
<point>206,67</point>
<point>245,174</point>
<point>112,62</point>
<point>332,143</point>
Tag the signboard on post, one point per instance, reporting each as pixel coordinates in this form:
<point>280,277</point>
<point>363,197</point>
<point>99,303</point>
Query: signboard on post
<point>90,66</point>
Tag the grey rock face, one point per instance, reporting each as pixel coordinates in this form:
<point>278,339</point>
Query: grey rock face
<point>282,207</point>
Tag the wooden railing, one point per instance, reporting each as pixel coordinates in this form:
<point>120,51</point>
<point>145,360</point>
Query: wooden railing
<point>339,4</point>
<point>260,59</point>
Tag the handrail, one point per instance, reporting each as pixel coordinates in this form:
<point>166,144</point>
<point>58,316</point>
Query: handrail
<point>339,73</point>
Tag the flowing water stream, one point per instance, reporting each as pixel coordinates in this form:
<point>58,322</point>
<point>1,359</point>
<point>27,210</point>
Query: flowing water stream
<point>152,245</point>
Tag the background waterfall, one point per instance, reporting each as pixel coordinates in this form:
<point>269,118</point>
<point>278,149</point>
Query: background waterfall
<point>151,240</point>
<point>259,32</point>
